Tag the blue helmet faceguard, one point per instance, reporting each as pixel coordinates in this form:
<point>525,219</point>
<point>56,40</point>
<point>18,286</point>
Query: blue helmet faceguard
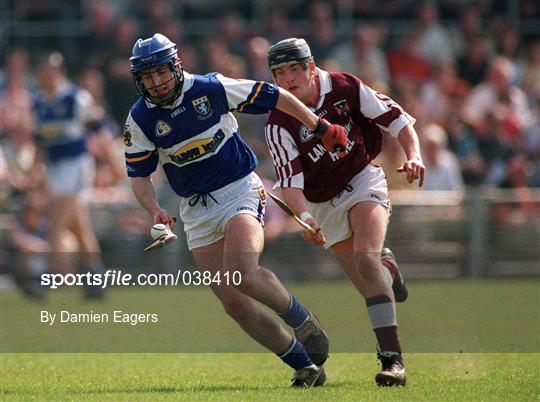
<point>154,52</point>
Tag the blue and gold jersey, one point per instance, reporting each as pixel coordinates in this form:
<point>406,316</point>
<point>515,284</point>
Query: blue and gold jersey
<point>196,140</point>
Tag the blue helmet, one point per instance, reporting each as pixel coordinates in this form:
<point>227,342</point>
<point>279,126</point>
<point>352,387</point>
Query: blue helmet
<point>153,52</point>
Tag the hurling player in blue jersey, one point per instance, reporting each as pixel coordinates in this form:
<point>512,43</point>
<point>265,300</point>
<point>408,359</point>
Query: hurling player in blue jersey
<point>185,123</point>
<point>64,116</point>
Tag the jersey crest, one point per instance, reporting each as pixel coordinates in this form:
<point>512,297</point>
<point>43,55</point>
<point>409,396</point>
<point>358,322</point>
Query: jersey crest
<point>305,134</point>
<point>162,128</point>
<point>342,107</point>
<point>127,136</point>
<point>202,107</point>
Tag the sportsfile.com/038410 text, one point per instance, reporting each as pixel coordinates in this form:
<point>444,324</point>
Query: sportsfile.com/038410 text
<point>113,277</point>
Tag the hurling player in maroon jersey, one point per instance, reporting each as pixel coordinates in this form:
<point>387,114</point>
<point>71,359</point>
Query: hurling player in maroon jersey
<point>343,193</point>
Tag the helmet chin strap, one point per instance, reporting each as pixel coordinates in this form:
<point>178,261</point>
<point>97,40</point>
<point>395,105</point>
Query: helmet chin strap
<point>164,99</point>
<point>170,97</point>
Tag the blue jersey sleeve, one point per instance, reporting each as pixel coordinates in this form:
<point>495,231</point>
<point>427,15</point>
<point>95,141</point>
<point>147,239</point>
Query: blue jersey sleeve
<point>246,96</point>
<point>140,153</point>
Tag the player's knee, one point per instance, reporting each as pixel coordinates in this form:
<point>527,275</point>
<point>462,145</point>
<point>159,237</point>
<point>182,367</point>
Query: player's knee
<point>248,283</point>
<point>368,265</point>
<point>237,309</point>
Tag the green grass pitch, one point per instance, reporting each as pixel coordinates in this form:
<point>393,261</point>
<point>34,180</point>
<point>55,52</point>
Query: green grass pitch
<point>463,340</point>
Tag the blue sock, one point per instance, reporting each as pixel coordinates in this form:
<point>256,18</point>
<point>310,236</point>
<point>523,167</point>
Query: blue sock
<point>295,315</point>
<point>296,356</point>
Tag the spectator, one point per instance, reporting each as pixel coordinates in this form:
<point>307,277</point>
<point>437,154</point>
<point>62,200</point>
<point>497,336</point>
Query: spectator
<point>173,28</point>
<point>464,145</point>
<point>109,171</point>
<point>530,82</point>
<point>487,94</point>
<point>436,95</point>
<point>442,166</point>
<point>406,63</point>
<point>473,64</point>
<point>433,42</point>
<point>156,14</point>
<point>531,147</point>
<point>256,49</point>
<point>93,81</point>
<point>15,105</point>
<point>406,93</point>
<point>495,151</point>
<point>231,32</point>
<point>95,45</point>
<point>323,36</point>
<point>216,54</point>
<point>119,81</point>
<point>24,171</point>
<point>30,246</point>
<point>469,28</point>
<point>20,156</point>
<point>16,69</point>
<point>218,58</point>
<point>509,46</point>
<point>278,25</point>
<point>363,56</point>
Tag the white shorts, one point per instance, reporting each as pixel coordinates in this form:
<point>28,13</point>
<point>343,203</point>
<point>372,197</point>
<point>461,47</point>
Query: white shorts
<point>333,215</point>
<point>205,225</point>
<point>71,175</point>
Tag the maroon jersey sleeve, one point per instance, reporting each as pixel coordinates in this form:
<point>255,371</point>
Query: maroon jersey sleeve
<point>284,153</point>
<point>382,111</point>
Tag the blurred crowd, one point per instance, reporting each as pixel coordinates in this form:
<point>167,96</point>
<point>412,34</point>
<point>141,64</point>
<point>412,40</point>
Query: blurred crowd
<point>467,74</point>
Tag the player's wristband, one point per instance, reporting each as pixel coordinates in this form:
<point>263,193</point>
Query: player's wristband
<point>320,129</point>
<point>305,216</point>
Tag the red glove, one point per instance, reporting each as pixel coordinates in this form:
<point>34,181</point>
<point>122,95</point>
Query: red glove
<point>332,136</point>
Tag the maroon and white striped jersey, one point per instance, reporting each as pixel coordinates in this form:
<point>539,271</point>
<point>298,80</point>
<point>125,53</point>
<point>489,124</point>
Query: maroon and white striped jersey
<point>299,157</point>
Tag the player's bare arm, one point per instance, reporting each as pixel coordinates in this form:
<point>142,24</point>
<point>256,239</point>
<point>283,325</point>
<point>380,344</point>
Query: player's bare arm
<point>145,193</point>
<point>414,166</point>
<point>295,198</point>
<point>289,104</point>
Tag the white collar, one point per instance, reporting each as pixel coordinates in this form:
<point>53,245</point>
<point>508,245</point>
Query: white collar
<point>326,86</point>
<point>188,83</point>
